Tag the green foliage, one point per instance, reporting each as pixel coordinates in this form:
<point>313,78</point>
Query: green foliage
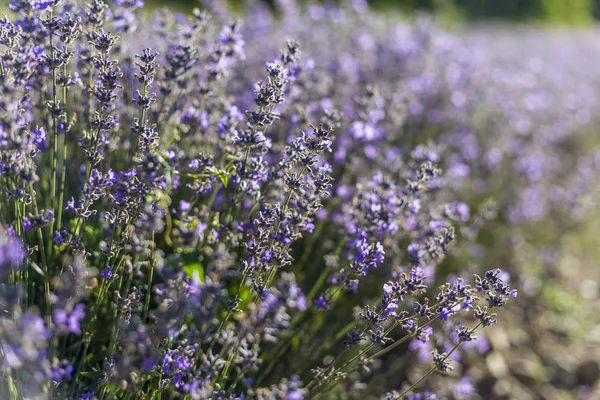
<point>574,12</point>
<point>569,12</point>
<point>505,9</point>
<point>193,268</point>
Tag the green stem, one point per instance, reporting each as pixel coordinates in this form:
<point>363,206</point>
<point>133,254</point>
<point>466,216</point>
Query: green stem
<point>234,208</point>
<point>434,368</point>
<point>137,144</point>
<point>40,236</point>
<point>63,175</point>
<point>280,350</point>
<point>286,204</point>
<point>54,144</point>
<point>14,393</point>
<point>149,285</point>
<point>80,365</point>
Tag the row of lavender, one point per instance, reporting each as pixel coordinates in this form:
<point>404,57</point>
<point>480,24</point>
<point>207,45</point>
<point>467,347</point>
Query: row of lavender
<point>173,229</point>
<point>511,119</point>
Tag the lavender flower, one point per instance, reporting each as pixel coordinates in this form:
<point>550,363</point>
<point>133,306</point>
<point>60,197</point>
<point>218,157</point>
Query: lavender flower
<point>69,321</point>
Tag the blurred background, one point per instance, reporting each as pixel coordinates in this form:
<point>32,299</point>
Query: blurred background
<point>564,12</point>
<point>557,12</point>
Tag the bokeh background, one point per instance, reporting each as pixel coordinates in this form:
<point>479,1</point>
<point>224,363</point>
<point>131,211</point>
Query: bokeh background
<point>562,12</point>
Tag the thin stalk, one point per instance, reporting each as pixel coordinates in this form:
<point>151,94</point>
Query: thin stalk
<point>223,374</point>
<point>115,328</point>
<point>316,234</point>
<point>40,236</point>
<point>324,274</point>
<point>434,368</point>
<point>387,332</point>
<point>383,351</point>
<point>63,160</point>
<point>54,150</point>
<point>137,144</point>
<point>237,380</point>
<point>399,342</point>
<point>80,365</point>
<point>339,356</point>
<point>14,393</point>
<point>274,270</point>
<point>279,352</point>
<point>234,209</point>
<point>149,285</point>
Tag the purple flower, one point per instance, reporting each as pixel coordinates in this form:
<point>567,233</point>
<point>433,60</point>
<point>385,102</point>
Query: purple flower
<point>212,211</point>
<point>367,256</point>
<point>436,225</point>
<point>24,342</point>
<point>40,138</point>
<point>43,5</point>
<point>458,210</point>
<point>390,308</point>
<point>107,273</point>
<point>130,3</point>
<point>200,228</point>
<point>27,224</point>
<point>321,303</point>
<point>415,206</point>
<point>62,373</point>
<point>410,325</point>
<point>69,322</point>
<point>464,389</point>
<point>468,303</point>
<point>301,303</point>
<point>424,334</point>
<point>60,238</point>
<point>294,395</point>
<point>232,41</point>
<point>37,221</point>
<point>11,251</point>
<point>444,313</point>
<point>184,206</point>
<point>363,131</point>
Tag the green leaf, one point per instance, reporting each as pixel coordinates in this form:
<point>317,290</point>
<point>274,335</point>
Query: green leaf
<point>245,297</point>
<point>295,342</point>
<point>36,268</point>
<point>221,174</point>
<point>192,268</point>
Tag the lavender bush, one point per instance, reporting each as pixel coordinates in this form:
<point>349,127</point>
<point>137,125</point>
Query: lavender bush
<point>195,207</point>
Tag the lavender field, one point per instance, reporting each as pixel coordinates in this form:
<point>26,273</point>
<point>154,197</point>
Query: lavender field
<point>322,202</point>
